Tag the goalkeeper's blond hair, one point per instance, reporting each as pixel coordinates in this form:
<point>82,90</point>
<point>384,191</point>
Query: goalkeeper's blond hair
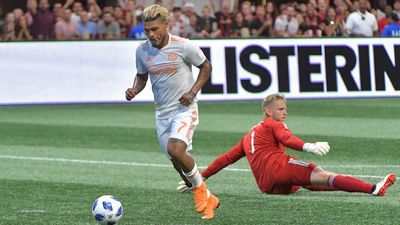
<point>155,12</point>
<point>271,99</point>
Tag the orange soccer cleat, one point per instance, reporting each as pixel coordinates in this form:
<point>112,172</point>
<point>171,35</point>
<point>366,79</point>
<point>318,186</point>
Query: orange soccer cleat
<point>200,197</point>
<point>382,185</point>
<point>212,205</point>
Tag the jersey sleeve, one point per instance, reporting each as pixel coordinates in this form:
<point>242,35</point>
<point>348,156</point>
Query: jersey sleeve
<point>375,25</point>
<point>349,23</point>
<point>140,68</point>
<point>284,136</point>
<point>224,160</point>
<point>193,54</point>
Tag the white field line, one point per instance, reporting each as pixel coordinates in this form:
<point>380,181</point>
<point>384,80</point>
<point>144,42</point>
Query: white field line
<point>31,211</point>
<point>82,161</point>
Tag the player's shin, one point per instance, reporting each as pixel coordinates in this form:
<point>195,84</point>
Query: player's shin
<point>349,184</point>
<point>194,176</point>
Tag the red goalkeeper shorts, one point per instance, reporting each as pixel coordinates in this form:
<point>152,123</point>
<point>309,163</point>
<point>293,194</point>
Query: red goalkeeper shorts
<point>293,174</point>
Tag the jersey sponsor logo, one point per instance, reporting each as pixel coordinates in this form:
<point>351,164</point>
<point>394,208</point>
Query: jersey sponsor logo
<point>172,56</point>
<point>163,69</point>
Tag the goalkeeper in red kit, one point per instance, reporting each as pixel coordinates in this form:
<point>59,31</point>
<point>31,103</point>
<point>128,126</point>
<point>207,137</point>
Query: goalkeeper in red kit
<point>279,173</point>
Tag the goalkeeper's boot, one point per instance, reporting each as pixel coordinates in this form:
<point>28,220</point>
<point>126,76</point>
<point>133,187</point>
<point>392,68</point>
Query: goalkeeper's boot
<point>381,186</point>
<point>183,187</point>
<point>200,197</point>
<point>212,205</point>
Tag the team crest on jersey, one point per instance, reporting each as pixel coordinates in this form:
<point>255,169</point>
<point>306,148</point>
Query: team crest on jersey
<point>172,56</point>
<point>149,58</point>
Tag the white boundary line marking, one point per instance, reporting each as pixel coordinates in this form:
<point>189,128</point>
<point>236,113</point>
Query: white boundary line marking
<point>31,211</point>
<point>82,161</point>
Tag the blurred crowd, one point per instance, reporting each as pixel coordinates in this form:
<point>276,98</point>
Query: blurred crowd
<point>77,20</point>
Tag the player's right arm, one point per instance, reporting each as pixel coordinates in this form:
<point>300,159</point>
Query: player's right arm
<point>138,85</point>
<point>224,160</point>
<point>141,76</point>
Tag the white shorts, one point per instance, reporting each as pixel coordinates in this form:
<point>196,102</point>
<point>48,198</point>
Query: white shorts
<point>180,126</point>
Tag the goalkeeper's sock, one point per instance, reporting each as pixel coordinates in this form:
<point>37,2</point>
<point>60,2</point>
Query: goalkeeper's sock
<point>349,184</point>
<point>194,177</point>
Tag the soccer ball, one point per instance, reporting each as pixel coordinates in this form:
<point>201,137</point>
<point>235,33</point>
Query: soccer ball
<point>107,210</point>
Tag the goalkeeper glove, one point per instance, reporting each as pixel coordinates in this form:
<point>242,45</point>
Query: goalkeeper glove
<point>318,148</point>
<point>182,187</point>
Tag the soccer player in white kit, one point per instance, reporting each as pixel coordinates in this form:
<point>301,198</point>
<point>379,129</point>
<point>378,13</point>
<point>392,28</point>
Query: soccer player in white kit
<point>167,60</point>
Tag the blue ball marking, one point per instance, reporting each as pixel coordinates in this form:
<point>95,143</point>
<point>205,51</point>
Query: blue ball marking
<point>119,213</point>
<point>94,205</point>
<point>99,217</point>
<point>107,205</point>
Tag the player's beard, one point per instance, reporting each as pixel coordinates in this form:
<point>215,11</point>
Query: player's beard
<point>159,42</point>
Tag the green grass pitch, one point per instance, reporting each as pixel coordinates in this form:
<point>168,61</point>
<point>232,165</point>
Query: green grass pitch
<point>56,159</point>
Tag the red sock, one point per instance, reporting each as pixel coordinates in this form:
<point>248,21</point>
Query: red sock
<point>349,184</point>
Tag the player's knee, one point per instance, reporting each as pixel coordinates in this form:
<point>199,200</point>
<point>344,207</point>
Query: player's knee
<point>320,176</point>
<point>176,149</point>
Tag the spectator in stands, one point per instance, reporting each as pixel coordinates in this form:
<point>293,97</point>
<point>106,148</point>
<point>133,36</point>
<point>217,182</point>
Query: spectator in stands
<point>18,13</point>
<point>177,23</point>
<point>260,26</point>
<point>94,10</point>
<point>322,8</point>
<point>210,23</point>
<point>247,12</point>
<point>137,32</point>
<point>57,11</point>
<point>119,17</point>
<point>380,6</point>
<point>128,14</point>
<point>393,28</point>
<point>286,24</point>
<point>224,17</point>
<point>342,12</point>
<point>86,29</point>
<point>107,28</point>
<point>1,19</point>
<point>188,11</point>
<point>240,26</point>
<point>355,6</point>
<point>194,29</point>
<point>77,9</point>
<point>66,29</point>
<point>396,7</point>
<point>312,22</point>
<point>361,22</point>
<point>383,21</point>
<point>302,28</point>
<point>332,26</point>
<point>43,19</point>
<point>270,11</point>
<point>9,28</point>
<point>23,33</point>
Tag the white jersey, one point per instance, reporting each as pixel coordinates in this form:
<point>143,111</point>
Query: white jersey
<point>359,24</point>
<point>170,71</point>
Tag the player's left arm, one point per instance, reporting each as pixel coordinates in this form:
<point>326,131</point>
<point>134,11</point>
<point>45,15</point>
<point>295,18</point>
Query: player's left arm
<point>196,57</point>
<point>204,74</point>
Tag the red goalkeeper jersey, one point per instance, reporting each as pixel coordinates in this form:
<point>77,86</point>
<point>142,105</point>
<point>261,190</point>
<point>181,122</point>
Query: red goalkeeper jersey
<point>264,147</point>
